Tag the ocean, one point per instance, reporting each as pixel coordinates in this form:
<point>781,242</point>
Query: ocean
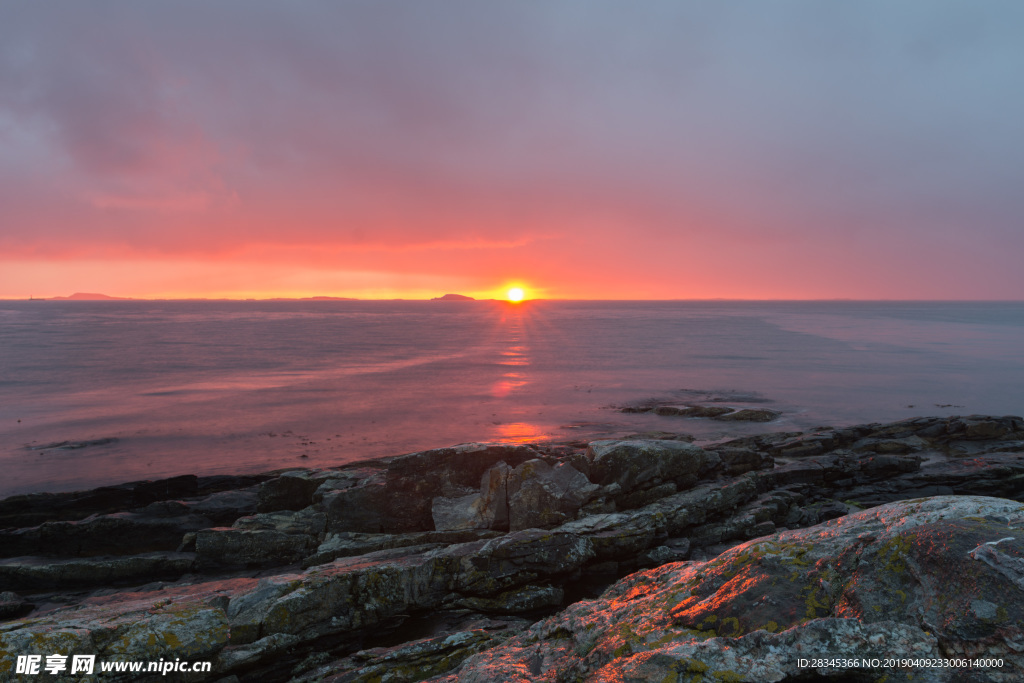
<point>101,392</point>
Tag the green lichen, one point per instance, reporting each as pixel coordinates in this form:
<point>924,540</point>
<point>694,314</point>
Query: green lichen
<point>730,628</point>
<point>893,555</point>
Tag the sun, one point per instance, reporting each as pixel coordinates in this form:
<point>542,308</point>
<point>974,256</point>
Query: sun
<point>515,294</point>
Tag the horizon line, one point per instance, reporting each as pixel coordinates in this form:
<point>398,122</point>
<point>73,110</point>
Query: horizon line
<point>329,299</point>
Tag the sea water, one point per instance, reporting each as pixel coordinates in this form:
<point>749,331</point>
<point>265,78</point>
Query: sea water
<point>93,393</point>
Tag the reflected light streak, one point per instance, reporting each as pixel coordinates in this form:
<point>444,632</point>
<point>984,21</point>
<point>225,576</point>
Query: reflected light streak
<point>521,432</point>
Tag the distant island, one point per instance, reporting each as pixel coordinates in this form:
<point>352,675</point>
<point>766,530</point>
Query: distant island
<point>313,298</point>
<point>88,296</point>
<point>453,297</point>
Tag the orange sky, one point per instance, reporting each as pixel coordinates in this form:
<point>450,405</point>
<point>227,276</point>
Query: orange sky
<point>574,149</point>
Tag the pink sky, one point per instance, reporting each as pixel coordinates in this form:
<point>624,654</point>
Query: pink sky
<point>576,149</point>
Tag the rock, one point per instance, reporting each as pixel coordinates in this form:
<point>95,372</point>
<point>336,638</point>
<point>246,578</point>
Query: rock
<point>246,655</point>
<point>37,573</point>
<point>641,497</point>
<point>122,533</point>
<point>414,480</point>
<point>336,480</point>
<point>485,509</point>
<point>664,554</point>
<point>522,600</point>
<point>246,610</point>
<point>347,544</point>
<point>36,508</point>
<point>349,596</point>
<point>706,411</point>
<point>659,435</point>
<point>164,625</point>
<point>230,547</point>
<point>739,460</point>
<point>669,410</point>
<point>290,491</point>
<point>308,522</point>
<point>13,606</point>
<point>518,558</point>
<point>750,415</point>
<point>414,661</point>
<point>632,464</point>
<point>464,512</point>
<point>374,558</point>
<point>616,536</point>
<point>990,475</point>
<point>870,584</point>
<point>361,509</point>
<point>541,496</point>
<point>982,427</point>
<point>909,444</point>
<point>225,507</point>
<point>184,486</point>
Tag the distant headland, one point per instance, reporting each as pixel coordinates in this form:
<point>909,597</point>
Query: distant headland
<point>89,296</point>
<point>453,297</point>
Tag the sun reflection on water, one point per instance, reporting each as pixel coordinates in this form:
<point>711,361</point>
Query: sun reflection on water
<point>521,432</point>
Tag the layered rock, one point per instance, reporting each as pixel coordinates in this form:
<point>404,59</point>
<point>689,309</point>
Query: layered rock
<point>926,580</point>
<point>303,568</point>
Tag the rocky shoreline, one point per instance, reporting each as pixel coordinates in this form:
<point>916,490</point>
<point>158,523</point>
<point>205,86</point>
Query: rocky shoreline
<point>634,559</point>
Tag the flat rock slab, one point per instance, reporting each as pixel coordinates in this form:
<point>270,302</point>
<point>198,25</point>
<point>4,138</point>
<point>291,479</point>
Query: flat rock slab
<point>43,573</point>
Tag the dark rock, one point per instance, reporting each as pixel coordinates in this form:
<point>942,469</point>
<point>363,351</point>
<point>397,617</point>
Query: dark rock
<point>660,436</point>
<point>486,509</point>
<point>347,544</point>
<point>635,499</point>
<point>308,522</point>
<point>414,480</point>
<point>750,415</point>
<point>362,508</point>
<point>990,475</point>
<point>541,496</point>
<point>739,460</point>
<point>632,464</point>
<point>13,606</point>
<point>36,573</point>
<point>36,508</point>
<point>290,491</point>
<point>230,547</point>
<point>123,533</point>
<point>185,486</point>
<point>414,661</point>
<point>517,559</point>
<point>521,600</point>
<point>706,411</point>
<point>225,507</point>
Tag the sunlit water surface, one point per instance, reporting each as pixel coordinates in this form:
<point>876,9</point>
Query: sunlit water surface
<point>231,387</point>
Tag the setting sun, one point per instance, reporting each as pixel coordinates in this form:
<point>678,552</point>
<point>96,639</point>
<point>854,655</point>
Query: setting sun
<point>515,294</point>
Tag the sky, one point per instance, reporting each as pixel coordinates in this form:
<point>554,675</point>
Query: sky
<point>582,149</point>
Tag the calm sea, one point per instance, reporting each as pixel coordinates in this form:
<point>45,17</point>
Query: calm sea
<point>225,387</point>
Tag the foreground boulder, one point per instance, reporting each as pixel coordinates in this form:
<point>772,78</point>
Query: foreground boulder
<point>923,579</point>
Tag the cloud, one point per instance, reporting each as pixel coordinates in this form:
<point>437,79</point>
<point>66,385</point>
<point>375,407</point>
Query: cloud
<point>701,130</point>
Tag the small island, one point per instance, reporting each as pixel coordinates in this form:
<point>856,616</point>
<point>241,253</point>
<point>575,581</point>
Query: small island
<point>89,296</point>
<point>453,297</point>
